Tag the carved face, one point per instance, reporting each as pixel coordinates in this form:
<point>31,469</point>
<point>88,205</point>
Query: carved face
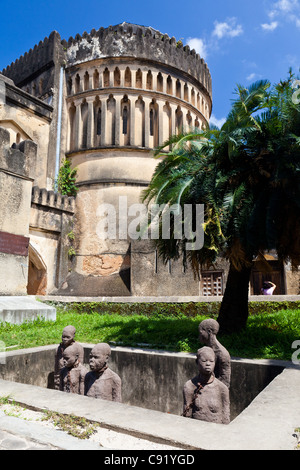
<point>206,361</point>
<point>203,335</point>
<point>70,357</point>
<point>67,337</point>
<point>98,359</point>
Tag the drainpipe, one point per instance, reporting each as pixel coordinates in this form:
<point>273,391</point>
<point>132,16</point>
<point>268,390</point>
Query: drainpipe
<point>59,122</point>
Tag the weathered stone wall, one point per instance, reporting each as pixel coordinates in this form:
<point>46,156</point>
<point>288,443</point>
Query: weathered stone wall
<point>51,225</point>
<point>128,89</point>
<point>15,199</point>
<point>129,40</point>
<point>150,379</point>
<point>27,118</point>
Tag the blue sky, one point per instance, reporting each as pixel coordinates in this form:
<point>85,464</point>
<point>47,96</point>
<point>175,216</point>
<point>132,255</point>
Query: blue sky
<point>241,40</point>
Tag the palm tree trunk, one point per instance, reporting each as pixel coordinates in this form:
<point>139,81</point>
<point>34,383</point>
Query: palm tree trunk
<point>233,313</point>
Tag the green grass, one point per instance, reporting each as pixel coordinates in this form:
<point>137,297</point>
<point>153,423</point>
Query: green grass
<point>268,335</point>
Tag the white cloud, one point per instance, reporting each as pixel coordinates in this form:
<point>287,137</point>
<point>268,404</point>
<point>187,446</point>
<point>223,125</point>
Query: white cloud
<point>286,10</point>
<point>228,28</point>
<point>270,26</point>
<point>286,5</point>
<point>199,45</point>
<point>296,20</point>
<point>203,46</point>
<point>217,122</point>
<point>253,76</point>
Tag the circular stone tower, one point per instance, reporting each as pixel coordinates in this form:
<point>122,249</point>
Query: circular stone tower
<point>128,89</point>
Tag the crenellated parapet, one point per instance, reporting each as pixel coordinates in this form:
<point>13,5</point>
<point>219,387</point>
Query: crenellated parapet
<point>129,40</point>
<point>31,70</point>
<point>19,159</point>
<point>52,199</point>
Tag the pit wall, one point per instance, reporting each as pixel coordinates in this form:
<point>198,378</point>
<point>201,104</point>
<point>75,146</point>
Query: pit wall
<point>150,379</point>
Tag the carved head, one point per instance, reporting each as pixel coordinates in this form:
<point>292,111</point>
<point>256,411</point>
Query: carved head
<point>99,356</point>
<point>207,328</point>
<point>68,335</point>
<point>206,360</point>
<point>71,356</point>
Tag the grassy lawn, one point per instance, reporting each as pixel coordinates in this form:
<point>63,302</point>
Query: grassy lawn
<point>267,335</point>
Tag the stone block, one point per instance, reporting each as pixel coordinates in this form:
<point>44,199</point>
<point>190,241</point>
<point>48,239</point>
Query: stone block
<point>18,309</point>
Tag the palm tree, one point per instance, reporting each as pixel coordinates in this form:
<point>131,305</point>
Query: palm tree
<point>247,176</point>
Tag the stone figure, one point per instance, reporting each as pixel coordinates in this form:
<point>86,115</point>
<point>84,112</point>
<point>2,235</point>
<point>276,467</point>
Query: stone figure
<point>101,381</point>
<point>205,397</point>
<point>73,373</point>
<point>68,338</point>
<point>208,329</point>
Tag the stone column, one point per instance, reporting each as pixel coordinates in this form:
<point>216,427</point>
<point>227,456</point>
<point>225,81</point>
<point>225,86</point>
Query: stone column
<point>132,121</point>
<point>118,119</point>
<point>90,123</point>
<point>160,122</point>
<point>78,125</point>
<point>122,77</point>
<point>147,102</point>
<point>173,118</point>
<point>103,119</point>
<point>164,76</point>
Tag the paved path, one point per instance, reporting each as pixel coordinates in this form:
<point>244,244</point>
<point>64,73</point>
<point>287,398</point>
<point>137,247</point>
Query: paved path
<point>9,441</point>
<point>18,434</point>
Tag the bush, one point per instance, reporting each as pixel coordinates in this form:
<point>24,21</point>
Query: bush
<point>66,181</point>
<point>190,309</point>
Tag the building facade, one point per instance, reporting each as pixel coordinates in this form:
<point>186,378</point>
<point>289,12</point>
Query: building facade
<point>104,100</point>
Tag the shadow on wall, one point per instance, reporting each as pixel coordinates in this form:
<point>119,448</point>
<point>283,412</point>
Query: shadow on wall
<point>153,380</point>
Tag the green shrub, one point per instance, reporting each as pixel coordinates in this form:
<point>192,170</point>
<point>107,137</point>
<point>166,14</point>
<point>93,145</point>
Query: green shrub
<point>66,181</point>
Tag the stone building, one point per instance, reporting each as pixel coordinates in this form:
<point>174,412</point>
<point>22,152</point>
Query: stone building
<point>104,100</point>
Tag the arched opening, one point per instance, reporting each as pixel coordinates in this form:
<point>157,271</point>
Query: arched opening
<point>189,122</point>
<point>160,82</point>
<point>77,84</point>
<point>96,79</point>
<point>169,85</point>
<point>178,89</point>
<point>117,77</point>
<point>69,86</point>
<point>37,273</point>
<point>86,81</point>
<point>138,79</point>
<point>106,77</point>
<point>149,80</point>
<point>72,115</point>
<point>193,97</point>
<point>186,92</point>
<point>127,77</point>
<point>97,121</point>
<point>125,116</point>
<point>178,121</point>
